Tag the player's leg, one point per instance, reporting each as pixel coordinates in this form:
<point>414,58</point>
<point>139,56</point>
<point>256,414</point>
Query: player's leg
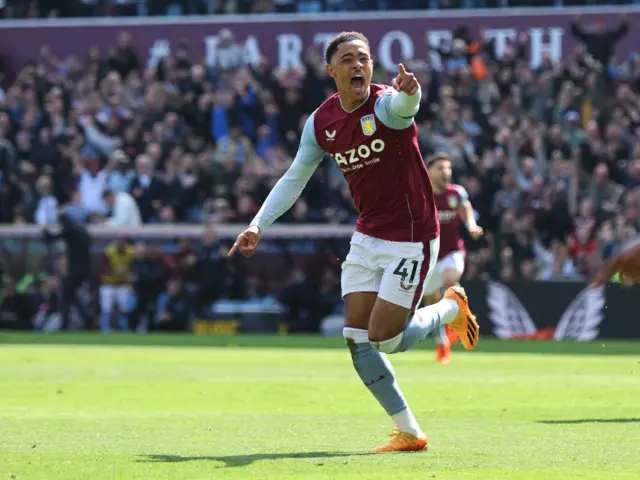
<point>122,299</point>
<point>432,294</point>
<point>377,374</point>
<point>440,334</point>
<point>107,301</point>
<point>360,284</point>
<point>400,291</point>
<point>451,276</point>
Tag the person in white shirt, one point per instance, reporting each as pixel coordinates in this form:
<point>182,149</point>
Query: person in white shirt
<point>46,212</point>
<point>124,210</point>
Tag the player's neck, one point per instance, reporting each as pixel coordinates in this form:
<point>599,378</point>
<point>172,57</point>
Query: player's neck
<point>349,105</point>
<point>438,189</point>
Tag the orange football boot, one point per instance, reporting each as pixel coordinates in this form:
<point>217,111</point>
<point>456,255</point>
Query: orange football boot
<point>402,442</point>
<point>453,336</point>
<point>465,324</point>
<point>443,353</point>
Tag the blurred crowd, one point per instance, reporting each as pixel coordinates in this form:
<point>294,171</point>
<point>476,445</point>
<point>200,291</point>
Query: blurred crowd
<point>550,156</point>
<point>88,8</point>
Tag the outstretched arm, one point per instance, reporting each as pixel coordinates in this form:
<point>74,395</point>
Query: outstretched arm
<point>290,186</point>
<point>396,108</point>
<point>606,272</point>
<point>467,215</point>
<point>285,192</point>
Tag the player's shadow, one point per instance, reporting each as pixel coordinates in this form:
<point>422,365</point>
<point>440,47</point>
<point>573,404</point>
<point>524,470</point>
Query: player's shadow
<point>244,460</point>
<point>590,420</point>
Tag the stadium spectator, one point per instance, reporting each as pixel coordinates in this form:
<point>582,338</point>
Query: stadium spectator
<point>148,275</point>
<point>47,318</point>
<point>77,266</point>
<point>125,212</point>
<point>15,308</point>
<point>184,264</point>
<point>115,289</point>
<point>88,8</point>
<point>197,141</point>
<point>212,269</point>
<point>174,312</point>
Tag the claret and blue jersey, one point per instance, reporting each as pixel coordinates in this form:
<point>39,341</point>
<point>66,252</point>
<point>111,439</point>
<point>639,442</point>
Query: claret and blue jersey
<point>376,148</point>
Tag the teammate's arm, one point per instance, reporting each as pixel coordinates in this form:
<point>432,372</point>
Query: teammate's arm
<point>285,192</point>
<point>623,264</point>
<point>606,273</point>
<point>467,215</point>
<point>396,108</point>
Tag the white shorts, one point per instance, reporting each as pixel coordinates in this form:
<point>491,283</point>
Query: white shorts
<point>395,270</point>
<point>111,295</point>
<point>453,261</point>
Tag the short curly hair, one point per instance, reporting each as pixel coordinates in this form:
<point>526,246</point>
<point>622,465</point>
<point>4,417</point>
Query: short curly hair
<point>437,157</point>
<point>334,43</point>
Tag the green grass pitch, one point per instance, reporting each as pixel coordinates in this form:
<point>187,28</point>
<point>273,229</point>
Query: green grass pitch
<point>154,407</point>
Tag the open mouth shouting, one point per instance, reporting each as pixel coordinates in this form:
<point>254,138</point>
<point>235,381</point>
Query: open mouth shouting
<point>357,84</point>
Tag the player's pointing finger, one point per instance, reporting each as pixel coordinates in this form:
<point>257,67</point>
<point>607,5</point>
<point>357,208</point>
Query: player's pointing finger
<point>401,71</point>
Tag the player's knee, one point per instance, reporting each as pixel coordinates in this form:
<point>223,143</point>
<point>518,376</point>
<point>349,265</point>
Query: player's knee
<point>387,322</point>
<point>432,298</point>
<point>389,346</point>
<point>450,278</point>
<point>386,337</point>
<point>383,332</point>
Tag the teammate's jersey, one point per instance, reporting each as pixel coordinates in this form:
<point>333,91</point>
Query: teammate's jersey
<point>448,204</point>
<point>376,147</point>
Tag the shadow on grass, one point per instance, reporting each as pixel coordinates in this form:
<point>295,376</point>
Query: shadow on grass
<point>590,420</point>
<point>244,460</point>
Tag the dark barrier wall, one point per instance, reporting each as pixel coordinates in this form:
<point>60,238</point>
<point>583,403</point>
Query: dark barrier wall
<point>513,310</point>
<point>555,310</point>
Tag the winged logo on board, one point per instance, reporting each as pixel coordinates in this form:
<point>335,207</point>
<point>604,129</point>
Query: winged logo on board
<point>511,320</point>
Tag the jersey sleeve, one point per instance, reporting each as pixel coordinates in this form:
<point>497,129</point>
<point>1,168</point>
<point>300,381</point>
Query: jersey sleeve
<point>462,193</point>
<point>397,109</point>
<point>290,186</point>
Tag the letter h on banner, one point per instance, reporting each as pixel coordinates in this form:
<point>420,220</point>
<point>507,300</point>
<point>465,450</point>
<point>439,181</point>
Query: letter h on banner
<point>539,48</point>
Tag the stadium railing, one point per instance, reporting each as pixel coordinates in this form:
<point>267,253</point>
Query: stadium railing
<point>163,231</point>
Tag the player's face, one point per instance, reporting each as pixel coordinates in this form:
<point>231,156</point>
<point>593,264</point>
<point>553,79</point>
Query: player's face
<point>440,173</point>
<point>352,68</point>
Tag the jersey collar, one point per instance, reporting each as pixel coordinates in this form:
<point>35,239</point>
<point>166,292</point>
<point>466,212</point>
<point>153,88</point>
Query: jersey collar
<point>364,101</point>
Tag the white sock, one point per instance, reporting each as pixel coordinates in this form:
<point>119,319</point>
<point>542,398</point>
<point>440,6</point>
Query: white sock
<point>406,422</point>
<point>389,346</point>
<point>446,310</point>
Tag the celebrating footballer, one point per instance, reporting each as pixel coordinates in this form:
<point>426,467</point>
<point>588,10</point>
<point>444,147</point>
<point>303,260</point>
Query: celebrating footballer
<point>370,132</point>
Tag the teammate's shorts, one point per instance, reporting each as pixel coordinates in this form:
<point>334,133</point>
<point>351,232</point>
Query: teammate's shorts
<point>395,270</point>
<point>453,261</point>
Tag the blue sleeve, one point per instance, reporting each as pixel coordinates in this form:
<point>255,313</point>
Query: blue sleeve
<point>462,193</point>
<point>397,109</point>
<point>219,123</point>
<point>290,186</point>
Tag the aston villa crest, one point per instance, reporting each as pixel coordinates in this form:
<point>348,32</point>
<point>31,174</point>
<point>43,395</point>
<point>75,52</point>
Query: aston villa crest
<point>368,123</point>
<point>452,201</point>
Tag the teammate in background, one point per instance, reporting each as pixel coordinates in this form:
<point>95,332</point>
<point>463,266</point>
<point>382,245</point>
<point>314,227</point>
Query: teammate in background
<point>114,288</point>
<point>370,132</point>
<point>452,202</point>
